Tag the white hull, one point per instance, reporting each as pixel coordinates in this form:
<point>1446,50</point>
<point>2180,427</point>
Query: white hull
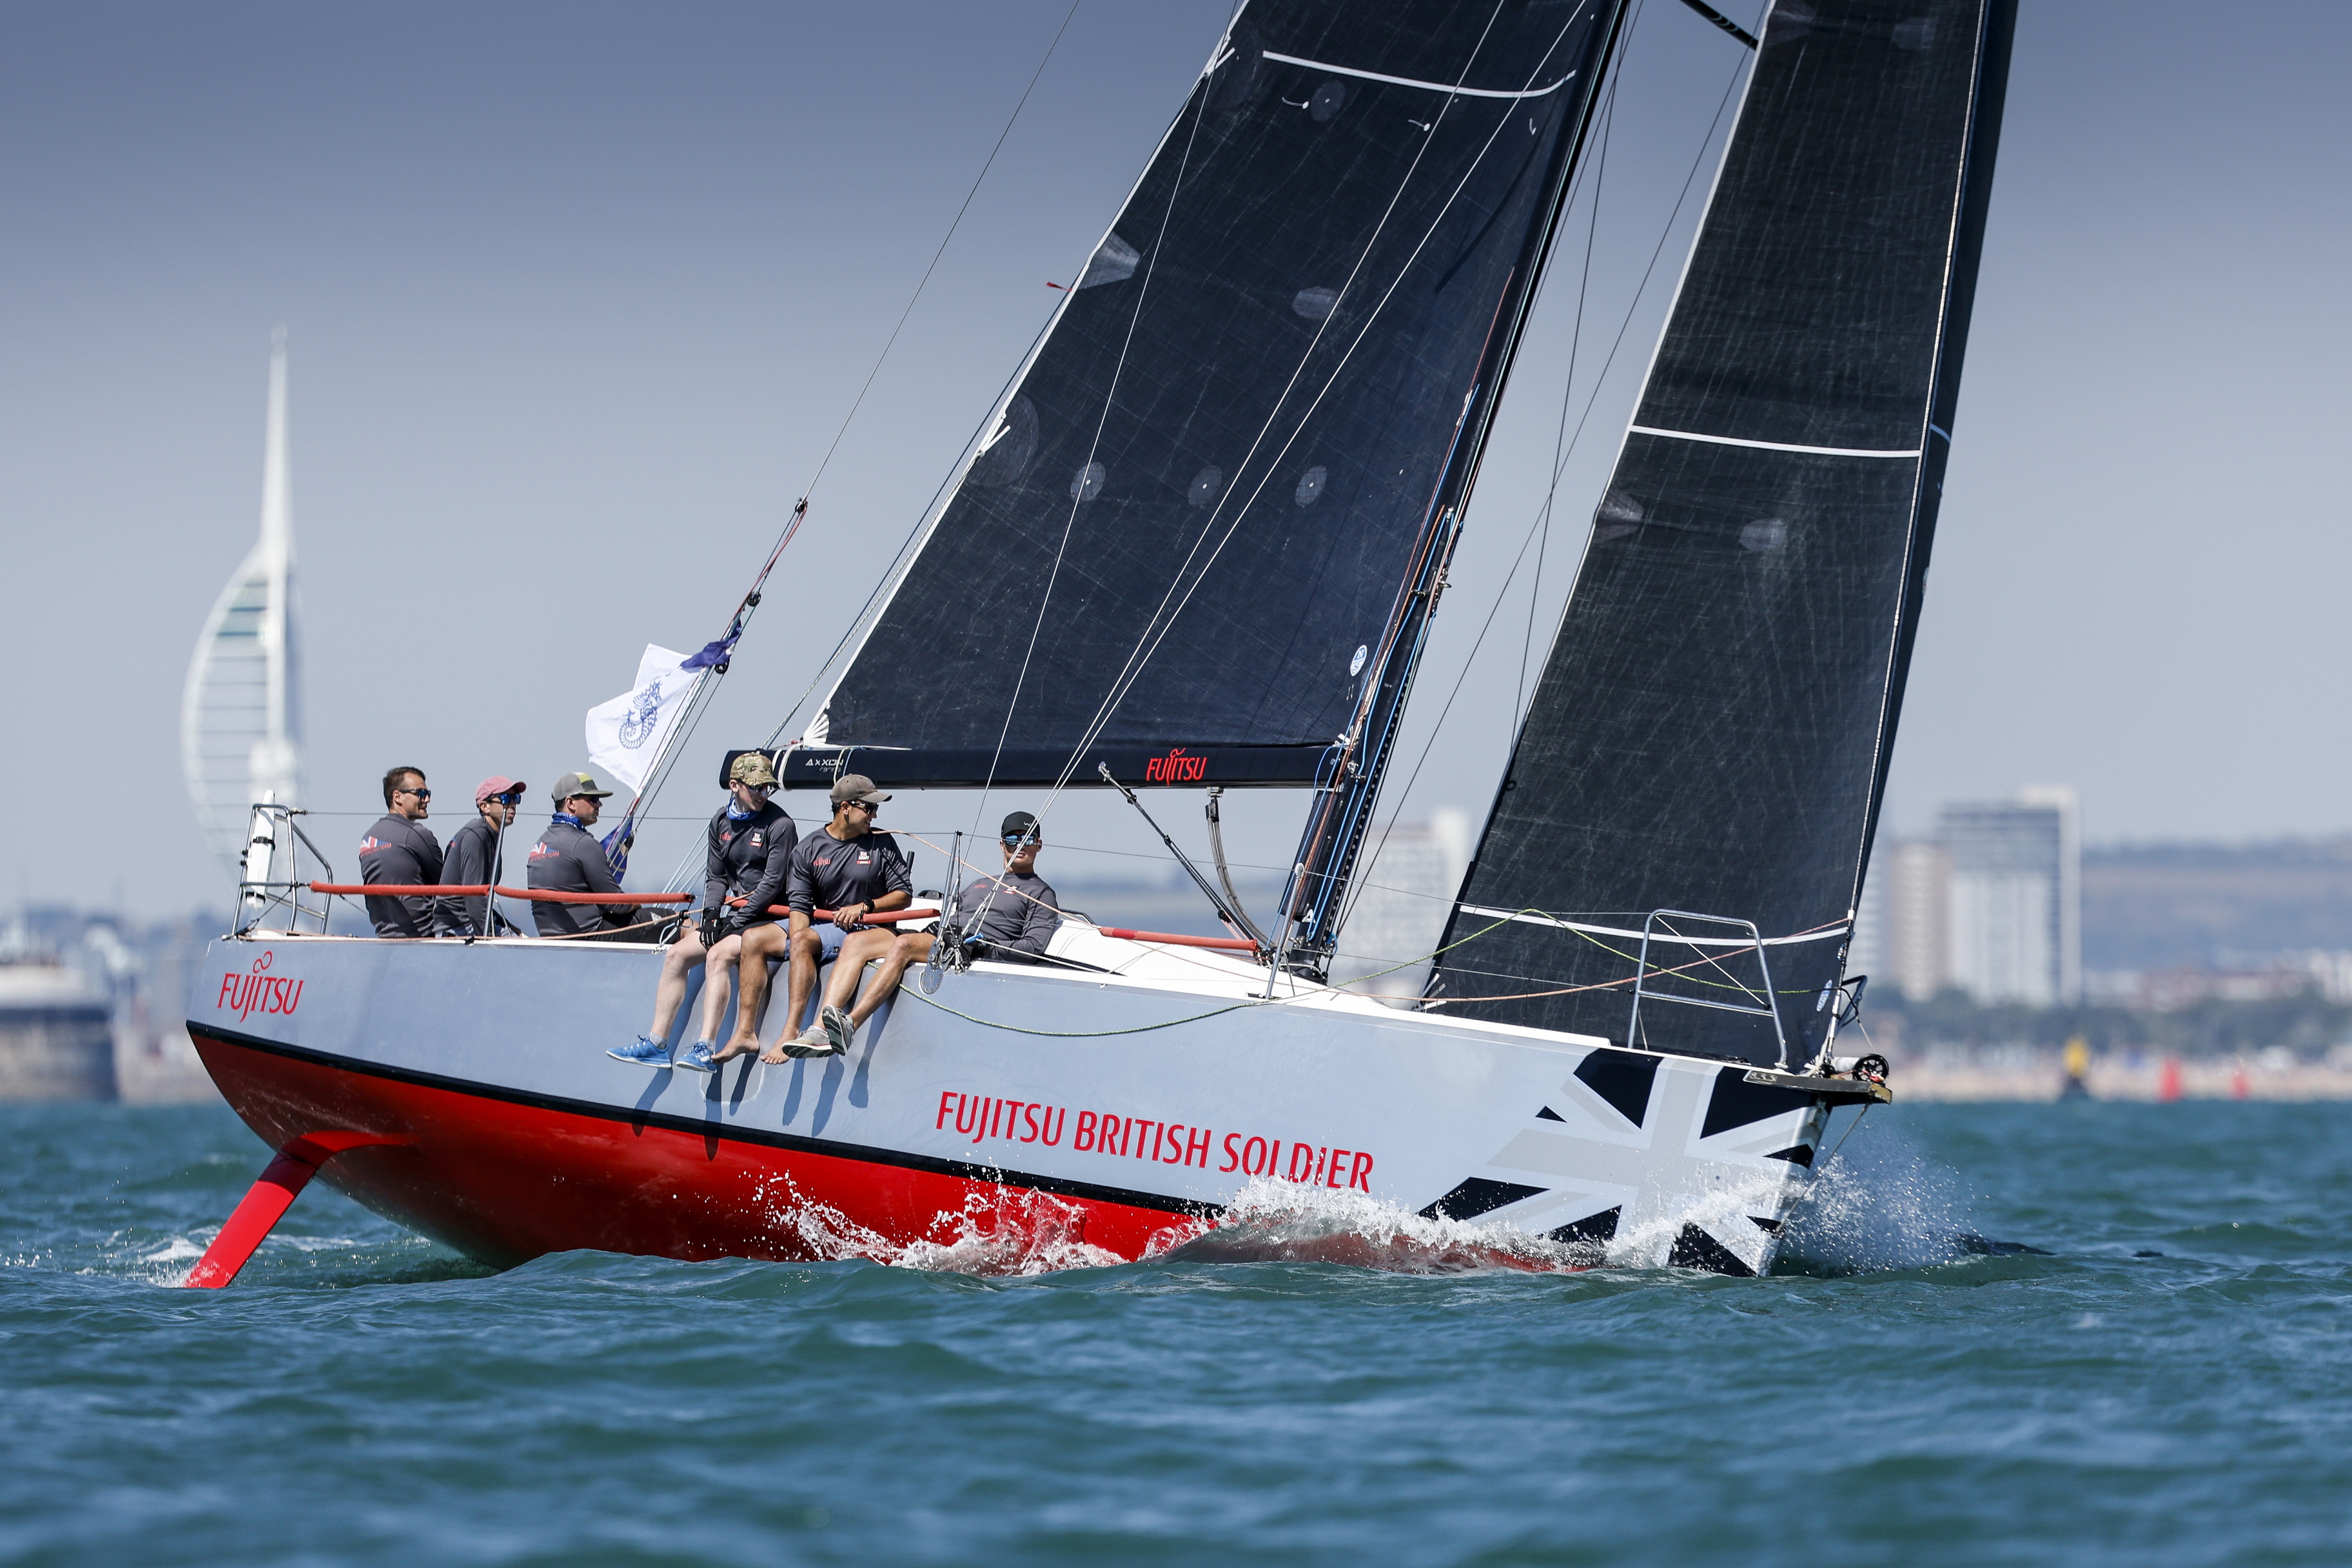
<point>1644,1159</point>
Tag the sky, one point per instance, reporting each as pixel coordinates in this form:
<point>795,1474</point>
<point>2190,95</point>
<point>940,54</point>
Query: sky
<point>578,297</point>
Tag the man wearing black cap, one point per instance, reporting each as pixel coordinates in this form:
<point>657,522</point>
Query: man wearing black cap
<point>568,859</point>
<point>849,868</point>
<point>1015,915</point>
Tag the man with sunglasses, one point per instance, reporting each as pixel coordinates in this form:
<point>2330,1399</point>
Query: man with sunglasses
<point>1013,916</point>
<point>568,859</point>
<point>475,856</point>
<point>398,853</point>
<point>749,850</point>
<point>849,868</point>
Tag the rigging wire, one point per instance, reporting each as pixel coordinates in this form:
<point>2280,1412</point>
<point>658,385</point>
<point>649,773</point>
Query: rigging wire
<point>1147,645</point>
<point>1600,380</point>
<point>697,703</point>
<point>1110,396</point>
<point>989,163</point>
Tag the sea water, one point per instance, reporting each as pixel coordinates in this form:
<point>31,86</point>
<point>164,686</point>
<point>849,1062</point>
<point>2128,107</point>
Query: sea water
<point>2167,1381</point>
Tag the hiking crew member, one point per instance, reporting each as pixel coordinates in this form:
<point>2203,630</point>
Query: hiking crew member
<point>854,872</point>
<point>749,846</point>
<point>474,857</point>
<point>1013,916</point>
<point>398,853</point>
<point>568,859</point>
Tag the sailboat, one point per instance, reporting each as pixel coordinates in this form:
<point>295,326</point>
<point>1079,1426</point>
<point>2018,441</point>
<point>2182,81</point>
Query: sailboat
<point>1199,540</point>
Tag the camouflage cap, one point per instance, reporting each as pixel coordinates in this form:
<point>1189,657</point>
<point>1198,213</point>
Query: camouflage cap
<point>569,784</point>
<point>752,768</point>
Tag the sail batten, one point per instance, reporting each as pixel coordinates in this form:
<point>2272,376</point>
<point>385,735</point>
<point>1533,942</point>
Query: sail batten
<point>1712,725</point>
<point>1201,495</point>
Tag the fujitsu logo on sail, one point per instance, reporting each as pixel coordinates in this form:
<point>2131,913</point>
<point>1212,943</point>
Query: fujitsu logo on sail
<point>258,992</point>
<point>1175,768</point>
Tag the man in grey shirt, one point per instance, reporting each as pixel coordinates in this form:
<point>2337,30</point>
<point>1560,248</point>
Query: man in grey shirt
<point>473,859</point>
<point>1015,915</point>
<point>568,859</point>
<point>399,853</point>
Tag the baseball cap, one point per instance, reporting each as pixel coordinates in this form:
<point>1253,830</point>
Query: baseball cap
<point>856,786</point>
<point>1021,824</point>
<point>571,785</point>
<point>752,768</point>
<point>497,783</point>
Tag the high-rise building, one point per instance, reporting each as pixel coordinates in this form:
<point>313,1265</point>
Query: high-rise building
<point>1918,945</point>
<point>1401,902</point>
<point>2015,902</point>
<point>240,713</point>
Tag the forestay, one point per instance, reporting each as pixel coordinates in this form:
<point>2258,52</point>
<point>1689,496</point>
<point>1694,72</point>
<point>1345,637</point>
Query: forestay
<point>1192,515</point>
<point>1713,723</point>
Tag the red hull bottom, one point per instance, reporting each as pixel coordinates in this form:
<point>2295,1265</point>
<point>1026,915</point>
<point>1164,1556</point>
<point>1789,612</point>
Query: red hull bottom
<point>504,1181</point>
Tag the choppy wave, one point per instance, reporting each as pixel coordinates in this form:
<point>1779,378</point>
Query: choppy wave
<point>1877,1204</point>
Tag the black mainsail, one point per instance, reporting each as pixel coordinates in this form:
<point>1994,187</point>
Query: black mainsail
<point>1183,535</point>
<point>1713,725</point>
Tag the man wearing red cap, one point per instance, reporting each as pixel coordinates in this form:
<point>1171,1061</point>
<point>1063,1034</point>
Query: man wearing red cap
<point>473,857</point>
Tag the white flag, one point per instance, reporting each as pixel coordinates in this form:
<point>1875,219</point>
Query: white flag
<point>626,734</point>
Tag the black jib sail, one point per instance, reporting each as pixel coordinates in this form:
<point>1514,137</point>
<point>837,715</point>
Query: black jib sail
<point>1186,527</point>
<point>1712,724</point>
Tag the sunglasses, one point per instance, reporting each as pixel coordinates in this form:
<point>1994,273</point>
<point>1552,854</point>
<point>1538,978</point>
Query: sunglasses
<point>512,797</point>
<point>757,788</point>
<point>868,806</point>
<point>419,794</point>
<point>1019,840</point>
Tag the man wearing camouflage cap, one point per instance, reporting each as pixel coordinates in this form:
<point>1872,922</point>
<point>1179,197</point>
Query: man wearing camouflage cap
<point>853,871</point>
<point>748,847</point>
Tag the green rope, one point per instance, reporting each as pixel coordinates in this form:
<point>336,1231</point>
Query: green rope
<point>1080,1034</point>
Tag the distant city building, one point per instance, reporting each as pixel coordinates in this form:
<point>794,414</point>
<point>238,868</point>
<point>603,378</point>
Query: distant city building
<point>1919,924</point>
<point>1992,904</point>
<point>2016,897</point>
<point>240,713</point>
<point>1400,903</point>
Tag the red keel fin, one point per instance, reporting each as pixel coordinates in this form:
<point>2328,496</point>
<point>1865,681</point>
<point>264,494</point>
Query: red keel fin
<point>266,1204</point>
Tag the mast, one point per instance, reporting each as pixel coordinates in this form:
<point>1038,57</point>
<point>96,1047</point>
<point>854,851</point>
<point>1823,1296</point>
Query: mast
<point>1185,532</point>
<point>1349,781</point>
<point>1700,770</point>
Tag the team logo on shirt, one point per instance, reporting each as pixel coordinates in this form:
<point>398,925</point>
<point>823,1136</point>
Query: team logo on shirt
<point>540,851</point>
<point>371,844</point>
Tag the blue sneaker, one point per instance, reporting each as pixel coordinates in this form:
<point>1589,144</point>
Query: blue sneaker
<point>646,1053</point>
<point>696,1058</point>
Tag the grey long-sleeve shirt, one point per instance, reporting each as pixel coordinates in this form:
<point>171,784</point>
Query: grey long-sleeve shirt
<point>568,859</point>
<point>1014,912</point>
<point>472,857</point>
<point>748,859</point>
<point>398,853</point>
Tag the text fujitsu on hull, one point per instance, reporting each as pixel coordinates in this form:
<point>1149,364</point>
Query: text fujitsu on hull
<point>1113,1136</point>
